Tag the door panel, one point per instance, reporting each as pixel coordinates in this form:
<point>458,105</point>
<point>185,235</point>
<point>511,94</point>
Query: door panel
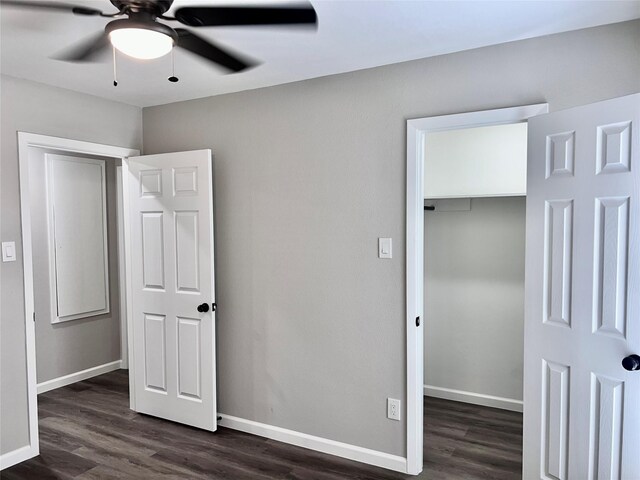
<point>187,251</point>
<point>607,404</point>
<point>152,250</point>
<point>170,212</point>
<point>556,410</point>
<point>189,341</point>
<point>557,269</point>
<point>610,283</point>
<point>154,346</point>
<point>582,313</point>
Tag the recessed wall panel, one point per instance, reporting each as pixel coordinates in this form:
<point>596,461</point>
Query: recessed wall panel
<point>555,432</point>
<point>605,452</point>
<point>558,258</point>
<point>610,265</point>
<point>155,352</point>
<point>560,154</point>
<point>187,251</point>
<point>77,231</point>
<point>152,250</point>
<point>189,341</point>
<point>613,149</point>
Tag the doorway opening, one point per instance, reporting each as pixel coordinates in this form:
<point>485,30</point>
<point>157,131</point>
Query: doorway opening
<point>79,209</point>
<point>80,316</point>
<point>72,259</point>
<point>465,271</point>
<point>474,238</point>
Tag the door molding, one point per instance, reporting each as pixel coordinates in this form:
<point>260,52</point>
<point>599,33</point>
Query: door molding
<point>416,134</point>
<point>122,287</point>
<point>26,141</point>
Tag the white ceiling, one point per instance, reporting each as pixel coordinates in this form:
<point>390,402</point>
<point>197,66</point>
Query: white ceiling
<point>352,35</point>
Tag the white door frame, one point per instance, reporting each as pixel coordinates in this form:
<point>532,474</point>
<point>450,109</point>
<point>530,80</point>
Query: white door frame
<point>416,134</point>
<point>122,272</point>
<point>25,142</point>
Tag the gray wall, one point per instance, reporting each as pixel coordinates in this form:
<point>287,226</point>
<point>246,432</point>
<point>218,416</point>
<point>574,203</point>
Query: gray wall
<point>474,297</point>
<point>311,326</point>
<point>76,345</point>
<point>32,107</point>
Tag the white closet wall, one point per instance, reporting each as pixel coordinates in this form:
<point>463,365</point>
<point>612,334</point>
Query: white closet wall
<point>476,162</point>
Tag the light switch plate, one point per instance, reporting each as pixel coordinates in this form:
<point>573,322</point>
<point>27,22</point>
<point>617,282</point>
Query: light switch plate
<point>384,248</point>
<point>8,251</point>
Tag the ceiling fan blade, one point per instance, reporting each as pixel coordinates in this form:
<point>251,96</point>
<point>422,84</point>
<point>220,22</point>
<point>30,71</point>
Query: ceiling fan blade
<point>86,50</point>
<point>77,9</point>
<point>205,49</point>
<point>222,16</point>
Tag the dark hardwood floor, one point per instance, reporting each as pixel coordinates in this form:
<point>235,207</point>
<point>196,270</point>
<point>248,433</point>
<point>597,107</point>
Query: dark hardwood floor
<point>88,432</point>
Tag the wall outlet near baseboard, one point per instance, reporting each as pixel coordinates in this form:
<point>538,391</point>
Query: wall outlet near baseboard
<point>393,409</point>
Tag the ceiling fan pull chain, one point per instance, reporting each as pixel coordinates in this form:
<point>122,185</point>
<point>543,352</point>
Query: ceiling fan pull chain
<point>173,77</point>
<point>115,71</point>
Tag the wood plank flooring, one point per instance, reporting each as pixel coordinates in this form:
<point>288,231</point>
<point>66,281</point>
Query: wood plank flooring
<point>88,432</point>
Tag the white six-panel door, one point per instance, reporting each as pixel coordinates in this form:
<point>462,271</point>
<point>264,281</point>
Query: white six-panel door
<point>581,407</point>
<point>169,207</point>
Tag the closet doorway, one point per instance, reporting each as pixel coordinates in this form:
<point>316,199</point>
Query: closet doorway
<point>474,238</point>
<point>474,258</point>
<point>79,306</point>
<point>580,291</point>
<point>78,212</point>
<point>467,256</point>
<point>56,243</point>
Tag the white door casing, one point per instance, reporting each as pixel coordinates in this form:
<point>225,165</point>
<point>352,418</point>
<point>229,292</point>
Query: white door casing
<point>417,130</point>
<point>582,302</point>
<point>169,206</point>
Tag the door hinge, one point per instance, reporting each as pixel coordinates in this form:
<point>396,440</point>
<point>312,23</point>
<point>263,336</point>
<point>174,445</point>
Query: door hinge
<point>34,316</point>
<point>417,321</point>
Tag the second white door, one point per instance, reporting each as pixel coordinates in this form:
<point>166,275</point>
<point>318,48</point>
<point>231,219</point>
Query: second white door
<point>582,314</point>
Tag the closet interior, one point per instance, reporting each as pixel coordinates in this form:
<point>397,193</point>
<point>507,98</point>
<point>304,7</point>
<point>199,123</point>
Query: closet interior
<point>474,252</point>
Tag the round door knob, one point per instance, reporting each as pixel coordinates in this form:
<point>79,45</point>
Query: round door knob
<point>631,363</point>
<point>203,308</point>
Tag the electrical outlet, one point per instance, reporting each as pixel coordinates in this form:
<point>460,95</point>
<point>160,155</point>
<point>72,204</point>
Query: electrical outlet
<point>393,409</point>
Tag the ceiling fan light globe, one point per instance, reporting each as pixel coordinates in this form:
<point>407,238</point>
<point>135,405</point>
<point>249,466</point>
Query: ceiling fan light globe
<point>141,43</point>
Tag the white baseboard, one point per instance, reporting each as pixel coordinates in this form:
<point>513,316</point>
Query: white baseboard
<point>78,376</point>
<point>18,455</point>
<point>475,398</point>
<point>319,444</point>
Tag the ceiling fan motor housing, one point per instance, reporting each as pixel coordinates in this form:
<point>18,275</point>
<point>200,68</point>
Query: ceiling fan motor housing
<point>155,7</point>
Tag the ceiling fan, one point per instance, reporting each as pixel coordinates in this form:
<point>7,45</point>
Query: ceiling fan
<point>142,36</point>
